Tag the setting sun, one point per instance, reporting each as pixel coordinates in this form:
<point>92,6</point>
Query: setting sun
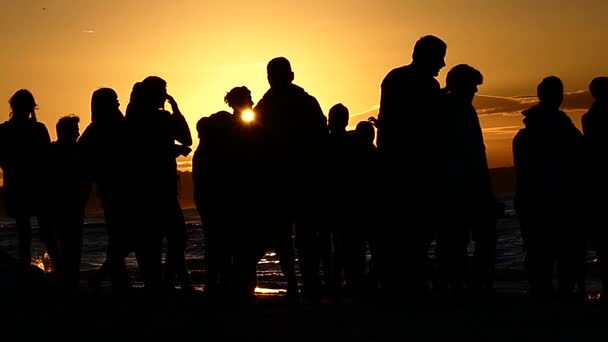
<point>248,116</point>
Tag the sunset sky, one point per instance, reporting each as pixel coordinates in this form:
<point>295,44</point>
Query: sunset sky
<point>62,50</point>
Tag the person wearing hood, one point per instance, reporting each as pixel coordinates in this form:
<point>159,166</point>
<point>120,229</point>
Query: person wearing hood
<point>595,129</point>
<point>293,135</point>
<point>549,160</point>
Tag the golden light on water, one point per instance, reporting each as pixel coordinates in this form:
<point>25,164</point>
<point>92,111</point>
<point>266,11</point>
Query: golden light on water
<point>262,290</point>
<point>248,116</point>
<point>43,262</point>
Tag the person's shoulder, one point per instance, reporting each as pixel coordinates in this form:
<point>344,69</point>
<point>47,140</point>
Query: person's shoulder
<point>398,71</point>
<point>521,135</point>
<point>39,125</point>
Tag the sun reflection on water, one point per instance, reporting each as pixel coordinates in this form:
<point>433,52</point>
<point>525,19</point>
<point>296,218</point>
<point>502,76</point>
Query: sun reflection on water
<point>43,262</point>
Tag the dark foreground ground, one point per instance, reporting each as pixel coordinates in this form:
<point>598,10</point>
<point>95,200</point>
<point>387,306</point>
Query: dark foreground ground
<point>100,316</point>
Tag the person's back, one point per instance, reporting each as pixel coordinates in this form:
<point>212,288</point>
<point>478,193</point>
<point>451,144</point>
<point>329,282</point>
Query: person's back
<point>293,125</point>
<point>24,143</point>
<point>548,155</point>
<point>408,106</point>
<point>409,167</point>
<point>104,146</point>
<point>68,195</point>
<point>293,134</point>
<point>595,129</point>
<point>152,132</point>
<point>66,158</point>
<point>152,135</point>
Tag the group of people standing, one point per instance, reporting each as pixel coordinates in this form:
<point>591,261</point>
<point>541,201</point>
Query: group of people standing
<point>298,182</point>
<point>130,158</point>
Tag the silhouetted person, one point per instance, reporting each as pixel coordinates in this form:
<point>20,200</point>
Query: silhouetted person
<point>245,175</point>
<point>338,220</point>
<point>595,128</point>
<point>68,193</point>
<point>345,222</point>
<point>104,146</point>
<point>293,137</point>
<point>406,122</point>
<point>364,207</point>
<point>152,134</point>
<point>24,146</point>
<point>470,207</point>
<point>226,190</point>
<point>549,159</point>
<point>207,179</point>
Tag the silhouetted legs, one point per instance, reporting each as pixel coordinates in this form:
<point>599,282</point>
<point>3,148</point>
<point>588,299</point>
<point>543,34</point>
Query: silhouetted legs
<point>149,250</point>
<point>484,257</point>
<point>24,231</point>
<point>309,257</point>
<point>176,248</point>
<point>120,244</point>
<point>217,256</point>
<point>69,225</point>
<point>452,244</point>
<point>353,257</point>
<point>278,236</point>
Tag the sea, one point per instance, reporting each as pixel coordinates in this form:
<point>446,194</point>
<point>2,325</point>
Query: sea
<point>510,271</point>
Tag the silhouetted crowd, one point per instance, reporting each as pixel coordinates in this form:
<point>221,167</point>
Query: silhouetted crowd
<point>297,182</point>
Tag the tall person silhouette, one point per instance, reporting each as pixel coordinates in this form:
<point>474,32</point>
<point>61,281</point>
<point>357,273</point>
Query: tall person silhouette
<point>153,132</point>
<point>549,162</point>
<point>409,190</point>
<point>24,146</point>
<point>595,128</point>
<point>293,138</point>
<point>470,207</point>
<point>104,146</point>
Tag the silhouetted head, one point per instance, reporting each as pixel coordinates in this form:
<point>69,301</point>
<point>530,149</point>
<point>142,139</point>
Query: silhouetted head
<point>338,118</point>
<point>67,128</point>
<point>599,89</point>
<point>239,99</point>
<point>105,106</point>
<point>462,81</point>
<point>279,72</point>
<point>365,131</point>
<point>22,105</point>
<point>202,127</point>
<point>154,92</point>
<point>136,99</point>
<point>550,92</point>
<point>429,54</point>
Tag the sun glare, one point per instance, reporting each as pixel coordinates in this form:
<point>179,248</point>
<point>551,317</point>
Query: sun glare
<point>248,116</point>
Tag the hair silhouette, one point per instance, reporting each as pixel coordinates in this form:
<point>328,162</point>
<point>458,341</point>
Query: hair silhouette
<point>550,91</point>
<point>279,72</point>
<point>238,97</point>
<point>429,53</point>
<point>67,127</point>
<point>104,106</point>
<point>23,104</point>
<point>599,88</point>
<point>463,75</point>
<point>365,130</point>
<point>338,118</point>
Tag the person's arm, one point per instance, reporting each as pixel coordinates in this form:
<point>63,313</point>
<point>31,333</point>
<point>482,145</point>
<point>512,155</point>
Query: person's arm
<point>181,131</point>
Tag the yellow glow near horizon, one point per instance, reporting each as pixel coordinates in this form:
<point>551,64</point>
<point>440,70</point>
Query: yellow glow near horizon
<point>248,116</point>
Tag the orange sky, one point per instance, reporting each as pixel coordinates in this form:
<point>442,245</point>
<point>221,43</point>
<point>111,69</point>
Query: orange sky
<point>340,50</point>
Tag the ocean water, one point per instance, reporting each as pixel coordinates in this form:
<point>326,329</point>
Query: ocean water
<point>510,273</point>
